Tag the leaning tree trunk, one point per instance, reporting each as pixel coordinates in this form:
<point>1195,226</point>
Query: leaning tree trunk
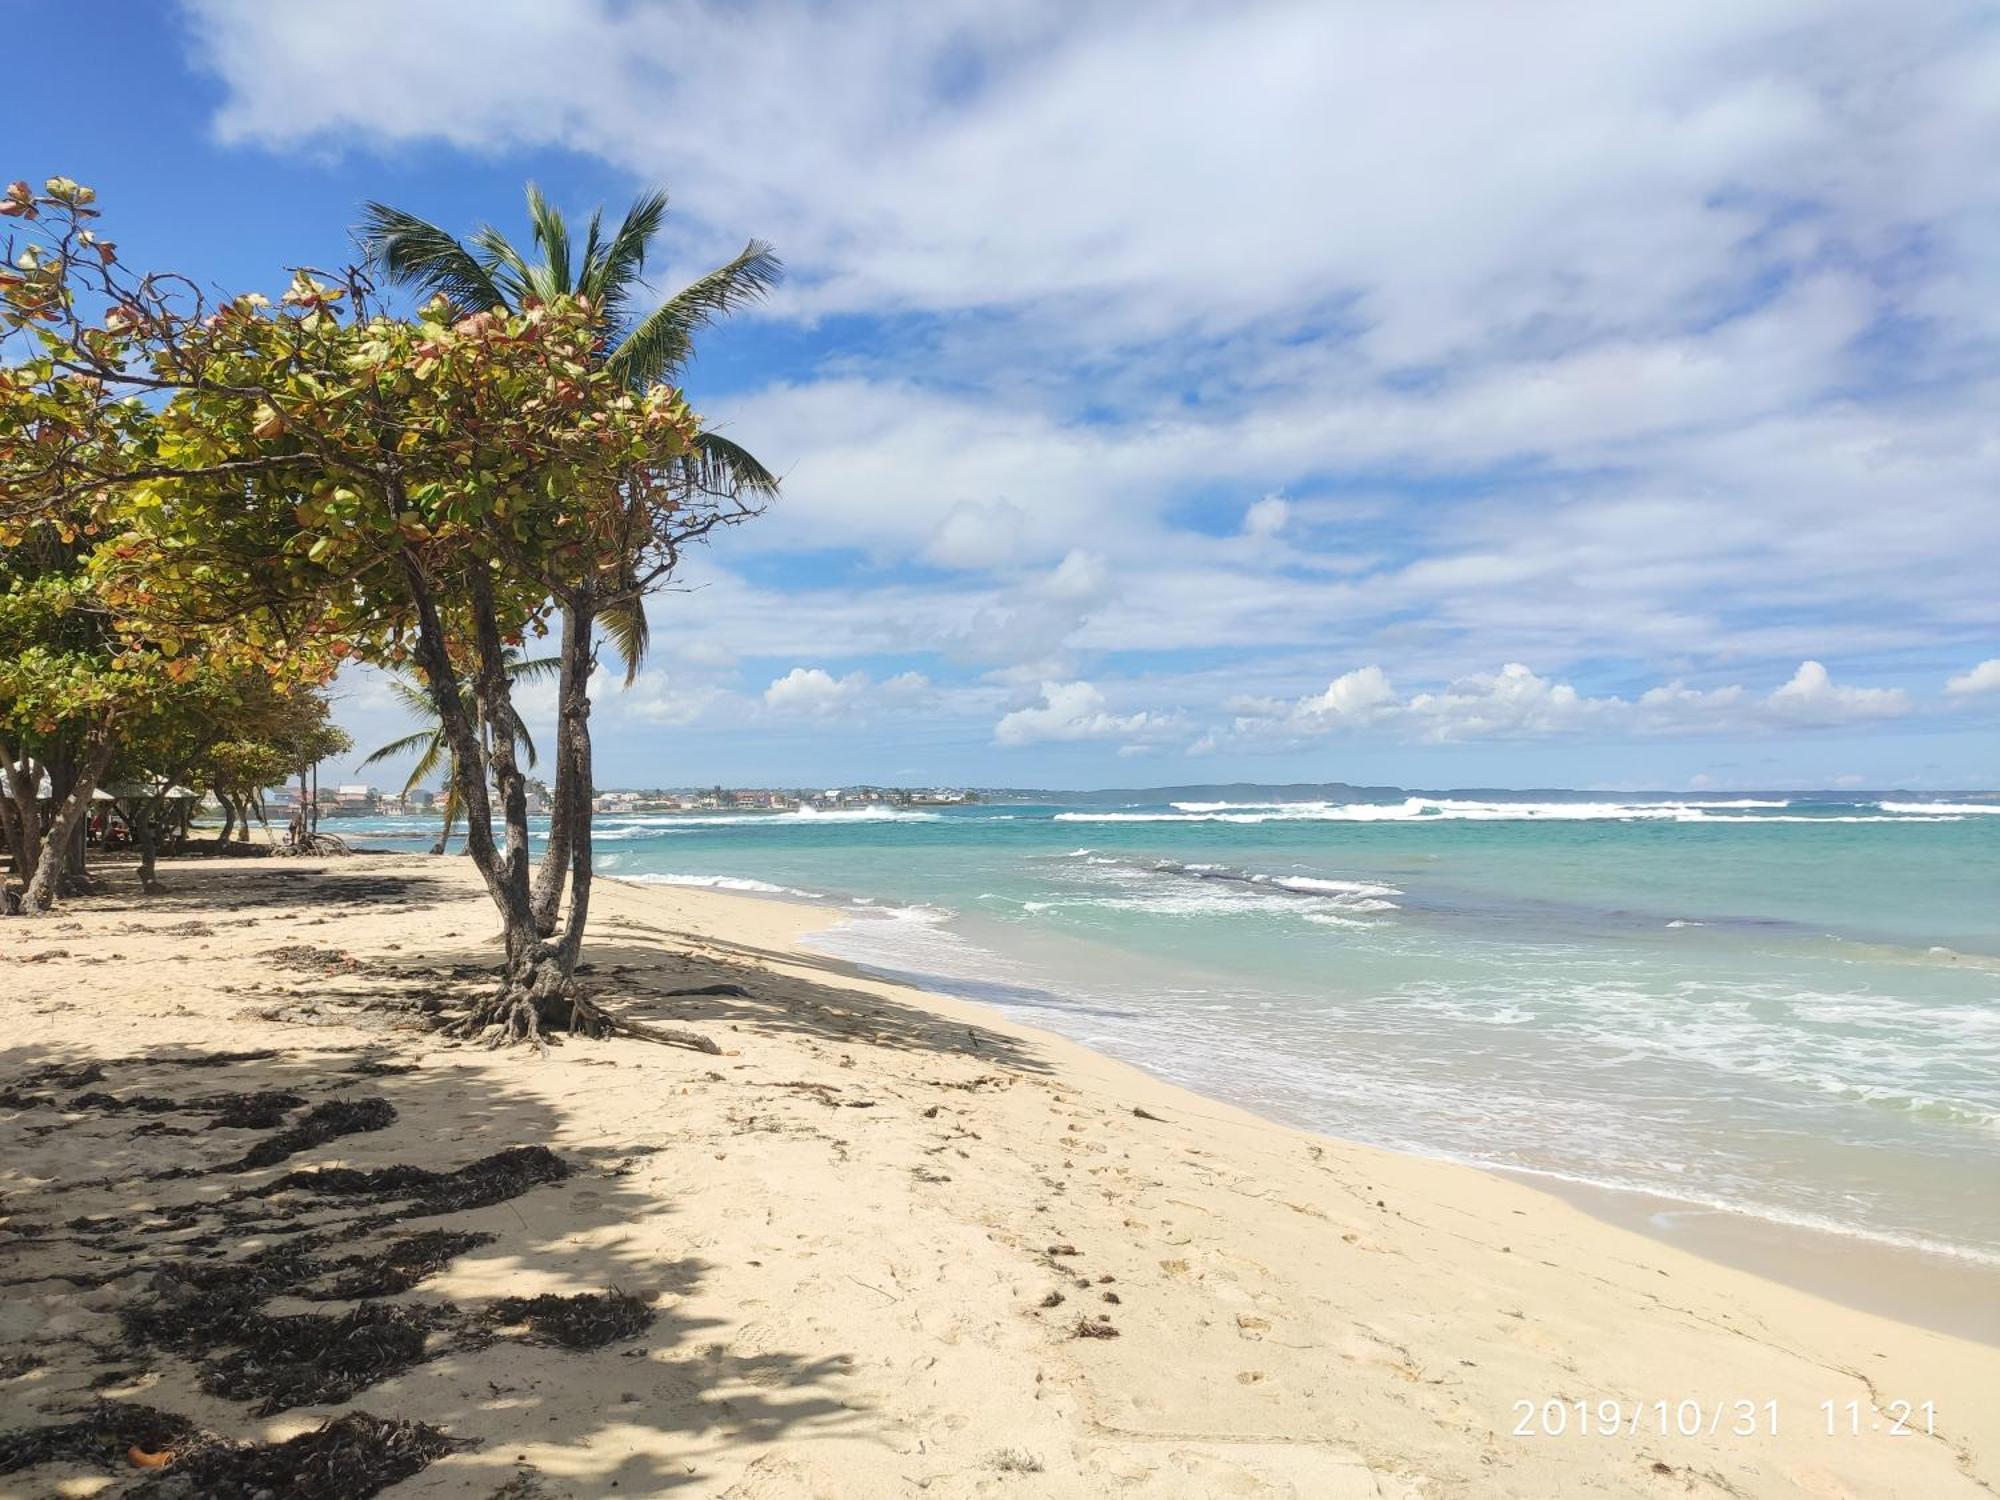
<point>228,821</point>
<point>572,787</point>
<point>575,730</point>
<point>10,826</point>
<point>534,993</point>
<point>450,808</point>
<point>24,810</point>
<point>537,994</point>
<point>68,821</point>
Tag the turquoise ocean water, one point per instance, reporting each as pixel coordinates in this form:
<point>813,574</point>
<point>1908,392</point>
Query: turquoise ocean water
<point>1782,1005</point>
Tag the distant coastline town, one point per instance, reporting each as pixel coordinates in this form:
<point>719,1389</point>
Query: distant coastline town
<point>357,800</point>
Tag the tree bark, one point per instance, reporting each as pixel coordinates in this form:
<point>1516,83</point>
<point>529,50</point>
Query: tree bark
<point>571,787</point>
<point>532,994</point>
<point>10,825</point>
<point>575,730</point>
<point>68,821</point>
<point>24,823</point>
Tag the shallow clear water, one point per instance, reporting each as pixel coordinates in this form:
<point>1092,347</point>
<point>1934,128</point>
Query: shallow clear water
<point>1785,1006</point>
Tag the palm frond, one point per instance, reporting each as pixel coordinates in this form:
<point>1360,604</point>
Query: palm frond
<point>534,669</point>
<point>416,699</point>
<point>415,252</point>
<point>663,341</point>
<point>421,771</point>
<point>593,253</point>
<point>625,257</point>
<point>409,744</point>
<point>630,634</point>
<point>504,265</point>
<point>552,238</point>
<point>719,467</point>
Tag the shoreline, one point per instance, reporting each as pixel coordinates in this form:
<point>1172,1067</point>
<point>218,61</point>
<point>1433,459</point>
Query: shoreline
<point>1934,1288</point>
<point>878,1230</point>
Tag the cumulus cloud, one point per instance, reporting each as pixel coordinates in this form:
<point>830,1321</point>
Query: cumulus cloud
<point>1813,697</point>
<point>1516,703</point>
<point>1984,678</point>
<point>1075,711</point>
<point>815,693</point>
<point>1266,517</point>
<point>1025,634</point>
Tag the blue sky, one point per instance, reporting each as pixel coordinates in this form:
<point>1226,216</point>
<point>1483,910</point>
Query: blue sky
<point>1453,394</point>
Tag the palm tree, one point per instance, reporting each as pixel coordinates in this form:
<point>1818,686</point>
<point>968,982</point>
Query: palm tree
<point>433,750</point>
<point>642,350</point>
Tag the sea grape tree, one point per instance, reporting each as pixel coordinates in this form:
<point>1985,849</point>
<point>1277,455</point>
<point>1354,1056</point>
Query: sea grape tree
<point>318,478</point>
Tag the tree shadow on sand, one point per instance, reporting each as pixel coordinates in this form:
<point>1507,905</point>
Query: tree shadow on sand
<point>652,975</point>
<point>180,1229</point>
<point>219,887</point>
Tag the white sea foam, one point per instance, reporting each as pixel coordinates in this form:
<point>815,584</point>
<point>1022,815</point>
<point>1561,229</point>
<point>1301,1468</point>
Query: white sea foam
<point>647,825</point>
<point>1458,809</point>
<point>1819,1223</point>
<point>1936,808</point>
<point>1204,889</point>
<point>1315,885</point>
<point>723,883</point>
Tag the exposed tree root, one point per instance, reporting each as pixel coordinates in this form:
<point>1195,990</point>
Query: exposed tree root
<point>539,1012</point>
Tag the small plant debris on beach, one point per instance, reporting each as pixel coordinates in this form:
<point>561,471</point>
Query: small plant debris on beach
<point>376,1067</point>
<point>350,1458</point>
<point>212,1059</point>
<point>104,1435</point>
<point>310,1359</point>
<point>490,1179</point>
<point>401,1265</point>
<point>64,1076</point>
<point>323,1123</point>
<point>312,959</point>
<point>265,1110</point>
<point>588,1320</point>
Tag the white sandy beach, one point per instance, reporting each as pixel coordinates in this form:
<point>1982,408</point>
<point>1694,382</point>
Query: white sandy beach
<point>873,1229</point>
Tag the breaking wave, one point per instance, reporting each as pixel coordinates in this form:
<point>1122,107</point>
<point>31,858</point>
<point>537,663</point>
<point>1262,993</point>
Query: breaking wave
<point>1450,809</point>
<point>722,883</point>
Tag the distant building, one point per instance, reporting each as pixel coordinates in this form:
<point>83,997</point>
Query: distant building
<point>353,801</point>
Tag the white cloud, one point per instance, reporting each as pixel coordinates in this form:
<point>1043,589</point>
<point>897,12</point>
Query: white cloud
<point>1557,168</point>
<point>1353,697</point>
<point>1024,634</point>
<point>1266,517</point>
<point>1984,678</point>
<point>1813,697</point>
<point>1561,339</point>
<point>815,693</point>
<point>1516,703</point>
<point>1075,711</point>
